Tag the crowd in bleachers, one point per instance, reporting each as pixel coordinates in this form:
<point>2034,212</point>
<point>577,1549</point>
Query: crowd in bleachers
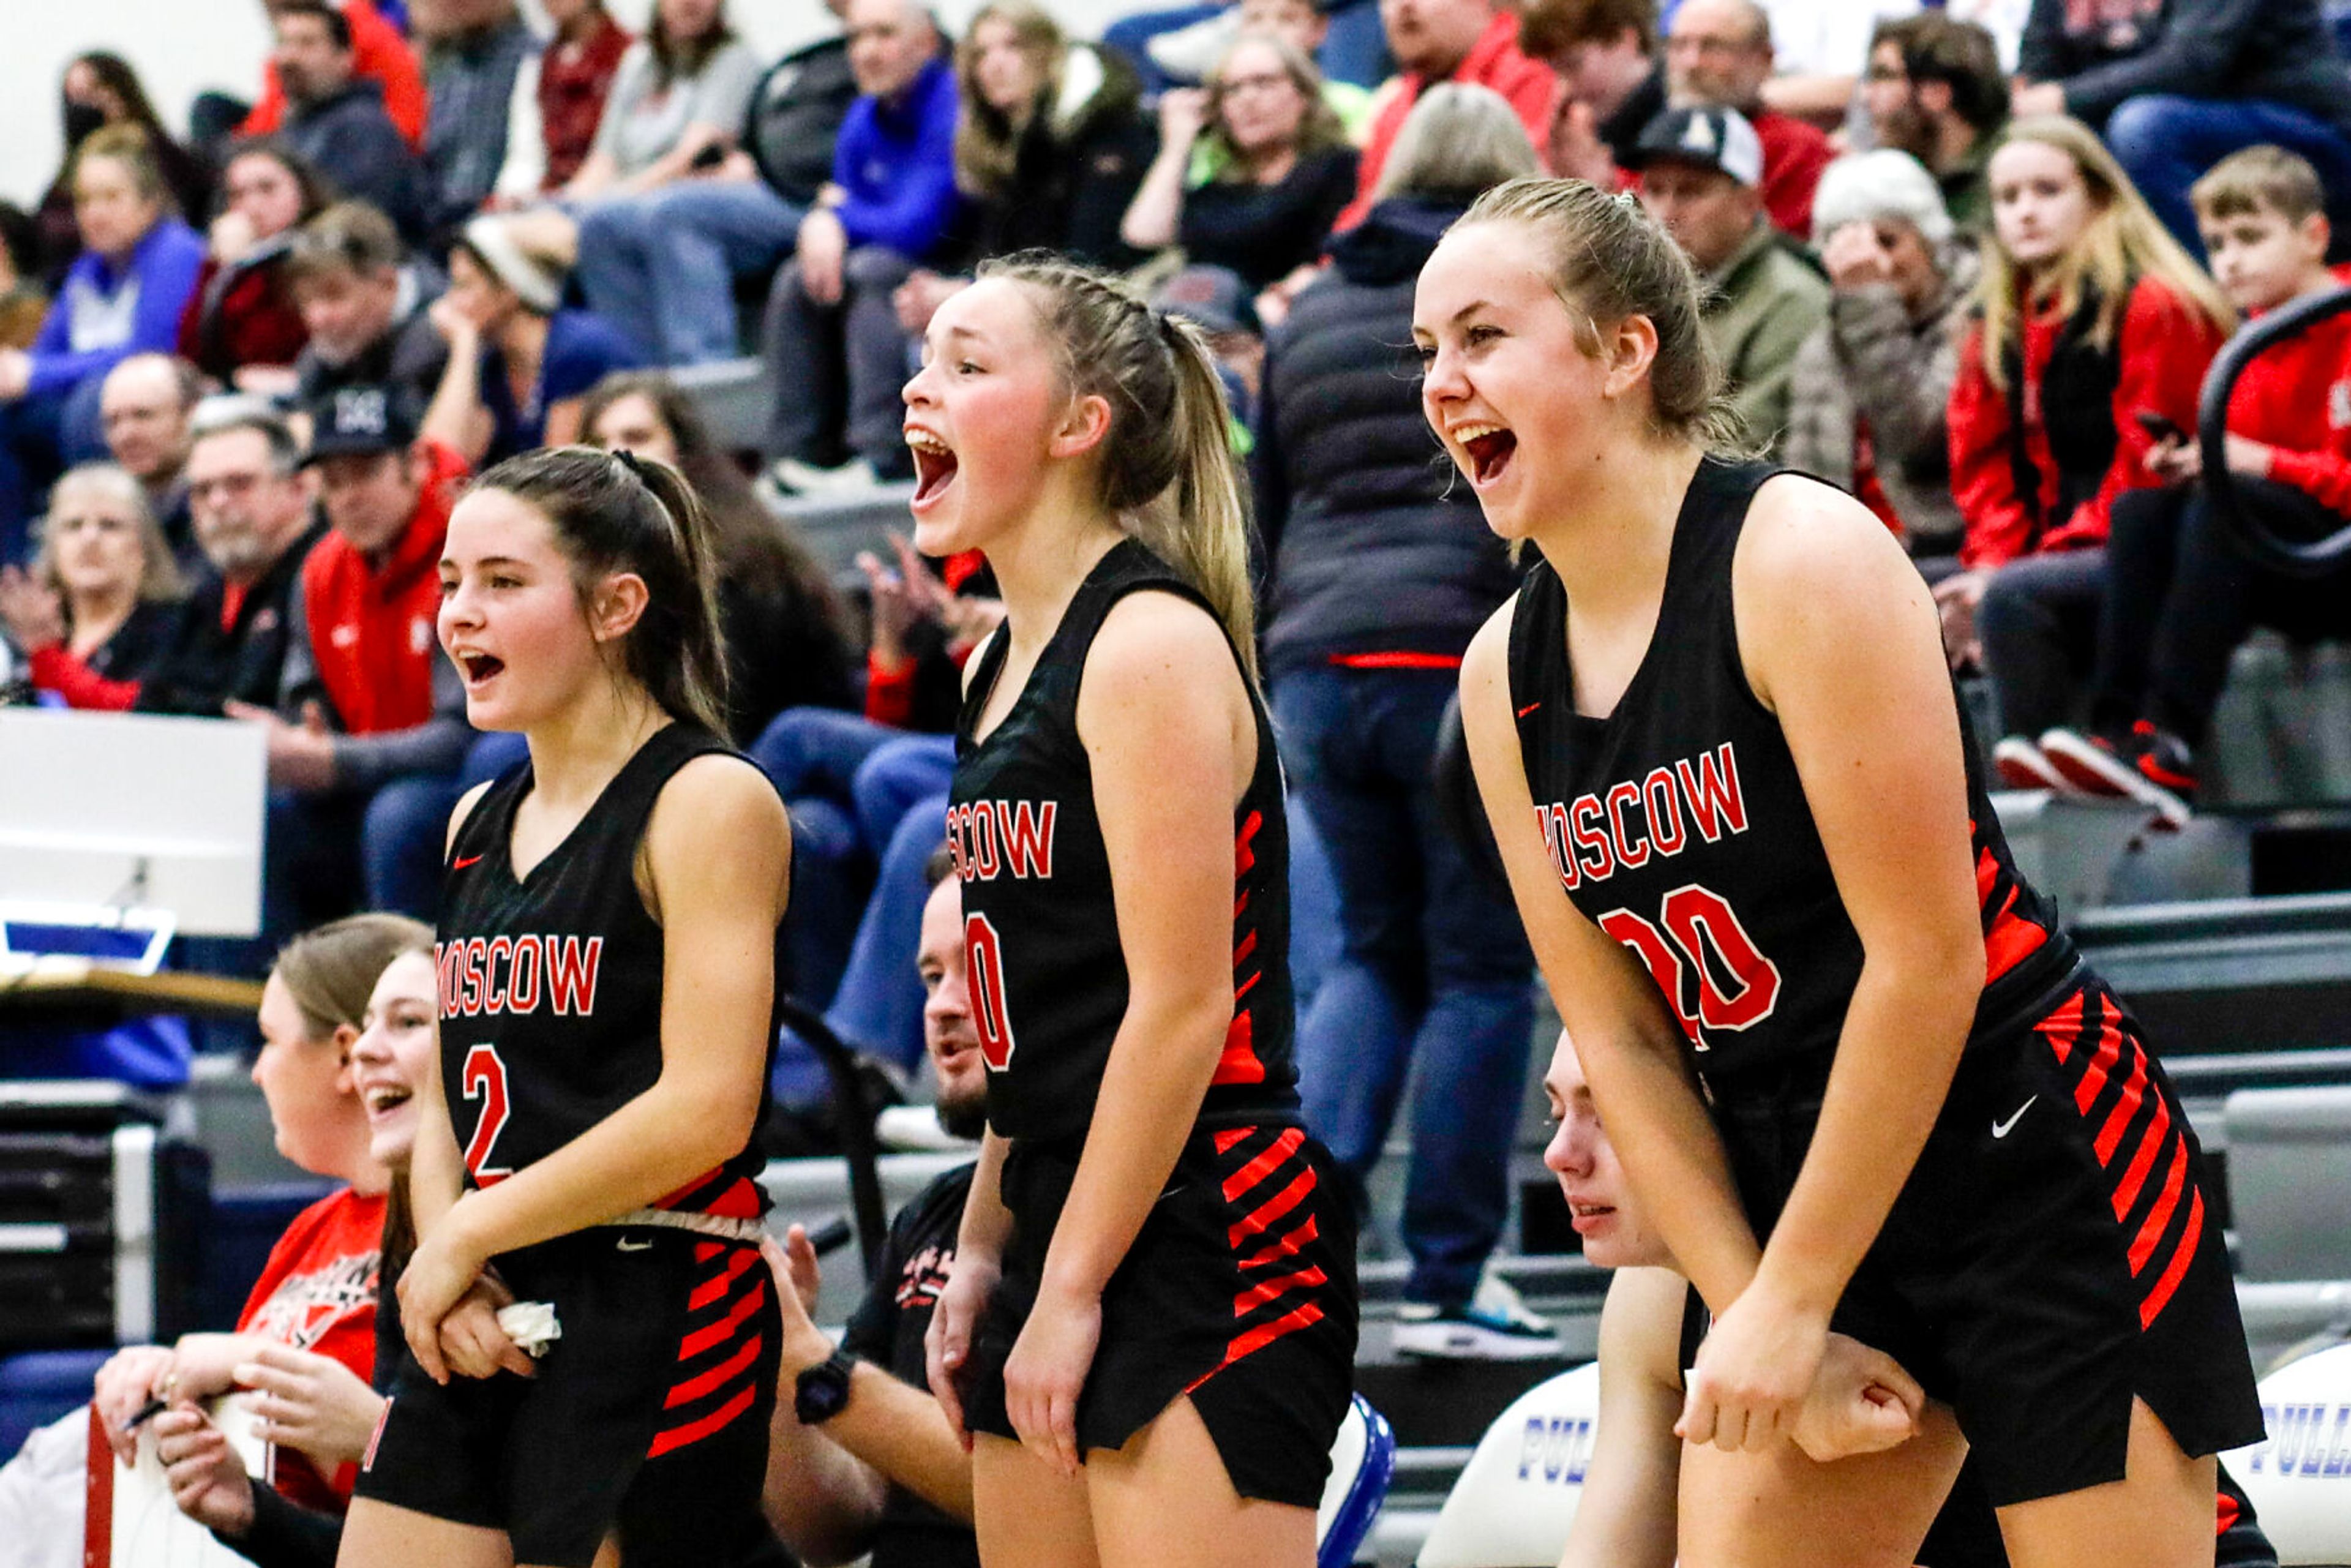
<point>1971,261</point>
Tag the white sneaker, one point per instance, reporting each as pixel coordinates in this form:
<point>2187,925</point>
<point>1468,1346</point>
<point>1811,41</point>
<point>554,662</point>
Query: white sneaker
<point>2018,764</point>
<point>793,477</point>
<point>1494,1326</point>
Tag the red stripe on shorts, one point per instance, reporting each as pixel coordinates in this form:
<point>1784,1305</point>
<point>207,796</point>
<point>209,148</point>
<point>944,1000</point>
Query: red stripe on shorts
<point>2160,1297</point>
<point>694,1431</point>
<point>702,1382</point>
<point>1258,1169</point>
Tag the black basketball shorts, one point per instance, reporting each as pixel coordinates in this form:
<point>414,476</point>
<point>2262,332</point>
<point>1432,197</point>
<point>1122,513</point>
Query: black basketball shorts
<point>648,1417</point>
<point>2054,1253</point>
<point>1238,1292</point>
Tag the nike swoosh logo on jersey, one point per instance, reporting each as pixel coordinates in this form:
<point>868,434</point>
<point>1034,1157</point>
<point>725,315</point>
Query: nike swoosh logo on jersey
<point>462,862</point>
<point>2001,1129</point>
<point>625,1245</point>
<point>1531,707</point>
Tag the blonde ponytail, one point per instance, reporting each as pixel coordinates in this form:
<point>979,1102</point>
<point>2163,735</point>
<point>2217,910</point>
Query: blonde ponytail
<point>1167,472</point>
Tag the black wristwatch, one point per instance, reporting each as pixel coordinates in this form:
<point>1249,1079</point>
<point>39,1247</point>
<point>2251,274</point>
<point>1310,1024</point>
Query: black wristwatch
<point>821,1391</point>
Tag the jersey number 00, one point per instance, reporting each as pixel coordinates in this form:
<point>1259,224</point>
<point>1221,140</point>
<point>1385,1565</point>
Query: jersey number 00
<point>1712,974</point>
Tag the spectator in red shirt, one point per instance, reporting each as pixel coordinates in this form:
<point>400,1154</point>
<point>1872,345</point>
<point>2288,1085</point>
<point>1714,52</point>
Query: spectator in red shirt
<point>2090,316</point>
<point>2179,597</point>
<point>1719,55</point>
<point>369,727</point>
<point>318,1293</point>
<point>378,54</point>
<point>1473,41</point>
<point>103,590</point>
<point>242,327</point>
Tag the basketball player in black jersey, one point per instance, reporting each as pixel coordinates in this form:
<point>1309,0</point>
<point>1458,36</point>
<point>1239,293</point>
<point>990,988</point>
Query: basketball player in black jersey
<point>1650,1329</point>
<point>1720,753</point>
<point>607,951</point>
<point>1149,1326</point>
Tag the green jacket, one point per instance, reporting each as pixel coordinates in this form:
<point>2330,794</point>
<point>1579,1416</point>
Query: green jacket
<point>1763,303</point>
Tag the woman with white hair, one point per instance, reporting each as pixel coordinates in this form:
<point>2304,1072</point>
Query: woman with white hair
<point>98,607</point>
<point>1871,385</point>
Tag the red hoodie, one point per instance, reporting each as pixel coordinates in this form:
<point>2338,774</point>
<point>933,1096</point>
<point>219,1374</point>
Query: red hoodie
<point>378,54</point>
<point>372,627</point>
<point>2297,399</point>
<point>2164,346</point>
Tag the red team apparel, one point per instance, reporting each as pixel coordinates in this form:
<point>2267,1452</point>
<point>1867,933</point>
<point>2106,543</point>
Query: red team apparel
<point>2053,1253</point>
<point>318,1292</point>
<point>649,1415</point>
<point>2037,466</point>
<point>1239,1290</point>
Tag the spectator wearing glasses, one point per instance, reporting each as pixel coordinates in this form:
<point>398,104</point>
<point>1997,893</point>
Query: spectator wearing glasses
<point>251,506</point>
<point>102,593</point>
<point>366,728</point>
<point>1719,55</point>
<point>1283,167</point>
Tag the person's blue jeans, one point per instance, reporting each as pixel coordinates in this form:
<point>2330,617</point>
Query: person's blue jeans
<point>661,265</point>
<point>2166,142</point>
<point>41,436</point>
<point>1433,973</point>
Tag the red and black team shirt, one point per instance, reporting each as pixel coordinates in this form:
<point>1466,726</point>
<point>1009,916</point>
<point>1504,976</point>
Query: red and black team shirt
<point>1679,824</point>
<point>551,986</point>
<point>1049,982</point>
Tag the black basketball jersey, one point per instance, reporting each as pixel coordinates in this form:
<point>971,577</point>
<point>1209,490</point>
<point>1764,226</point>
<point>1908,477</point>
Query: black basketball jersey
<point>1678,825</point>
<point>551,986</point>
<point>1049,982</point>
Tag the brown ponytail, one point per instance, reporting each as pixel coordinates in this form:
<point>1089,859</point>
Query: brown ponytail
<point>614,512</point>
<point>1166,469</point>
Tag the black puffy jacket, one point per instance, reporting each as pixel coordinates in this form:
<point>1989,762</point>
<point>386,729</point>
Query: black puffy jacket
<point>1377,545</point>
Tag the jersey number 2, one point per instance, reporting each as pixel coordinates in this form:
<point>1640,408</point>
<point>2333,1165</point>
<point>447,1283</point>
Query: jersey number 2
<point>484,1078</point>
<point>984,958</point>
<point>1737,987</point>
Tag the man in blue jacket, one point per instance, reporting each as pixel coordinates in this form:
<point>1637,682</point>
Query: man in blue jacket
<point>835,349</point>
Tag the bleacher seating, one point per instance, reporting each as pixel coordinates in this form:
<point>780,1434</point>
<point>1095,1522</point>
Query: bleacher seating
<point>2289,1172</point>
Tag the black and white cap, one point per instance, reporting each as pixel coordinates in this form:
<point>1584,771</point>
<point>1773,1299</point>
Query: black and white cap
<point>358,420</point>
<point>1719,139</point>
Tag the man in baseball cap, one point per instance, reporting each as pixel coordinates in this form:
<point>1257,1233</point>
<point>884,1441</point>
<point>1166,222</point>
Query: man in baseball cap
<point>369,729</point>
<point>1701,174</point>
